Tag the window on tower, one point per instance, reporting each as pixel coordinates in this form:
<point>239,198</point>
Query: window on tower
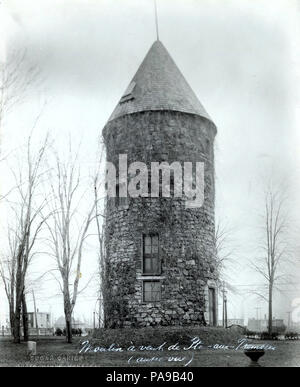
<point>151,262</point>
<point>151,291</point>
<point>128,95</point>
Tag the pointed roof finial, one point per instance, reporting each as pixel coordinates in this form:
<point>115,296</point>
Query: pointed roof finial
<point>156,20</point>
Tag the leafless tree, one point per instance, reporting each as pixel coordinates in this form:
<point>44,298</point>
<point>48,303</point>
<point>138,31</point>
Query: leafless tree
<point>225,251</point>
<point>226,262</point>
<point>68,228</point>
<point>276,256</point>
<point>24,205</point>
<point>17,75</point>
<point>8,274</point>
<point>99,179</point>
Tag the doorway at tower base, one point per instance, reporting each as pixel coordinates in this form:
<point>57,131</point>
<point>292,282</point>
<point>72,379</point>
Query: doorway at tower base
<point>199,309</point>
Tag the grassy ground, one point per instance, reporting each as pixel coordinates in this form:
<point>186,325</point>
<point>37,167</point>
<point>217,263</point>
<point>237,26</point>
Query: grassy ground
<point>55,352</point>
<point>171,334</point>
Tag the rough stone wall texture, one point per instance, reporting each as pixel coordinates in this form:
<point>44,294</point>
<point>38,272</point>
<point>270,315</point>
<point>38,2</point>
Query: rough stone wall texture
<point>186,236</point>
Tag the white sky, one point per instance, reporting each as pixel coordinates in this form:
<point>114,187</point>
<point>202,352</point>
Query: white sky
<point>241,58</point>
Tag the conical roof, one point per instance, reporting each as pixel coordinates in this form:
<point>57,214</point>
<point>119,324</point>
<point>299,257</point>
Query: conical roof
<point>158,85</point>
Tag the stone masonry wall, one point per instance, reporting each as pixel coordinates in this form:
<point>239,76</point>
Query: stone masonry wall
<point>186,236</point>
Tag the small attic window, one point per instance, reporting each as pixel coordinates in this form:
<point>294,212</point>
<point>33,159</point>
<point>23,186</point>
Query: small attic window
<point>128,95</point>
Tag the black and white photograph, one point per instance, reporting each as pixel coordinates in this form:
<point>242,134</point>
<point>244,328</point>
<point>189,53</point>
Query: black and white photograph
<point>150,186</point>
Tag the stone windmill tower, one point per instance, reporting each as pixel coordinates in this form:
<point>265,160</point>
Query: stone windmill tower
<point>160,255</point>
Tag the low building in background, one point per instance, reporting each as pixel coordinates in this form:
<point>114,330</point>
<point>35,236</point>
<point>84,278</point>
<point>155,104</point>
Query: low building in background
<point>39,320</point>
<point>232,321</point>
<point>294,327</point>
<point>60,323</point>
<point>256,325</point>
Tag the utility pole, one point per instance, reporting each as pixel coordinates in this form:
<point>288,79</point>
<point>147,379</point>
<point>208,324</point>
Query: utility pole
<point>100,312</point>
<point>51,319</point>
<point>225,302</point>
<point>258,324</point>
<point>223,311</point>
<point>94,320</point>
<point>289,319</point>
<point>224,306</point>
<point>35,313</point>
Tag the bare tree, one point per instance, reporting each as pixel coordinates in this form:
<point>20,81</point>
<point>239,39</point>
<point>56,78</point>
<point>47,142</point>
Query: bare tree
<point>99,198</point>
<point>24,204</point>
<point>17,75</point>
<point>225,251</point>
<point>226,262</point>
<point>8,275</point>
<point>275,249</point>
<point>68,229</point>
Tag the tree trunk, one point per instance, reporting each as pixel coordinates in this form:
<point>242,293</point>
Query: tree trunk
<point>67,310</point>
<point>17,325</point>
<point>12,319</point>
<point>68,317</point>
<point>25,318</point>
<point>270,317</point>
<point>19,295</point>
<point>68,327</point>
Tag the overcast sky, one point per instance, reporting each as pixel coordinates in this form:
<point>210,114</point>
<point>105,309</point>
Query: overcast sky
<point>242,59</point>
